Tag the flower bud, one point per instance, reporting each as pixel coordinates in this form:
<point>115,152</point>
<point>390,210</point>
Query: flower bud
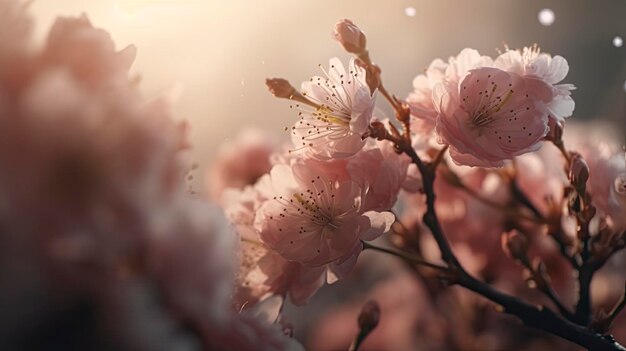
<point>350,37</point>
<point>369,317</point>
<point>280,88</point>
<point>555,134</point>
<point>579,173</point>
<point>515,245</point>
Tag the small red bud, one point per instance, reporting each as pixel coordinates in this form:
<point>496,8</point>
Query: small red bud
<point>280,88</point>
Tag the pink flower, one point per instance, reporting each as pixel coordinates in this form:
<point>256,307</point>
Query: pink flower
<point>293,279</point>
<point>262,271</point>
<point>490,117</point>
<point>420,99</point>
<point>327,213</point>
<point>89,53</point>
<point>530,62</point>
<point>15,30</point>
<point>86,155</point>
<point>381,171</point>
<point>345,106</point>
<point>190,257</point>
<point>608,187</point>
<point>241,161</point>
<point>350,36</point>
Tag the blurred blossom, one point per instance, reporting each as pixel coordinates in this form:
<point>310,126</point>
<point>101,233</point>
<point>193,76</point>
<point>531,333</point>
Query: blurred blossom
<point>241,161</point>
<point>15,30</point>
<point>546,17</point>
<point>94,214</point>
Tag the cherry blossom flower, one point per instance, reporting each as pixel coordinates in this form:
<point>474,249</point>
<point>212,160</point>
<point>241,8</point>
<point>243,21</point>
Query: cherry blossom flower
<point>15,30</point>
<point>241,161</point>
<point>380,170</point>
<point>343,109</point>
<point>490,117</point>
<point>531,62</point>
<point>327,213</point>
<point>263,272</point>
<point>421,100</point>
<point>87,51</point>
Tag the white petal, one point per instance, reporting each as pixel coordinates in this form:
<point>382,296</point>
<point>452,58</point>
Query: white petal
<point>379,223</point>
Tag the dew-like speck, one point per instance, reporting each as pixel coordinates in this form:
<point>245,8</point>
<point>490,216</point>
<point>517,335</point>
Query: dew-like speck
<point>410,11</point>
<point>546,17</point>
<point>618,41</point>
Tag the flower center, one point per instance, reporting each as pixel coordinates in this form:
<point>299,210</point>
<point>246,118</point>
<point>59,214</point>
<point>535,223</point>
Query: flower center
<point>490,104</point>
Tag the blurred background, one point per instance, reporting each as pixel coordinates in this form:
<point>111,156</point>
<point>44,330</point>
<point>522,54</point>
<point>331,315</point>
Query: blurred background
<point>216,54</point>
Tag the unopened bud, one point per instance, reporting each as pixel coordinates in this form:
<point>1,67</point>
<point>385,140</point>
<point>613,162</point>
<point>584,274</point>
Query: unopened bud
<point>555,134</point>
<point>579,172</point>
<point>350,37</point>
<point>369,317</point>
<point>515,245</point>
<point>280,88</point>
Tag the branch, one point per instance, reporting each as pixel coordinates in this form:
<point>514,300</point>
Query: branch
<point>405,256</point>
<point>538,317</point>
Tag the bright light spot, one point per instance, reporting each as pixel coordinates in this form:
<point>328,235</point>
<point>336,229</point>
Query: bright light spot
<point>410,11</point>
<point>546,17</point>
<point>618,42</point>
<point>625,87</point>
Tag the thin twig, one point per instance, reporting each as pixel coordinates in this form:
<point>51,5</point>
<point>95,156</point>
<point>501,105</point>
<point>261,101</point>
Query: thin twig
<point>538,317</point>
<point>405,256</point>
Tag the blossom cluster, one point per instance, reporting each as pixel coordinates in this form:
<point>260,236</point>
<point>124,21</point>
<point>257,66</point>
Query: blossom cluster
<point>477,181</point>
<point>102,247</point>
<point>521,214</point>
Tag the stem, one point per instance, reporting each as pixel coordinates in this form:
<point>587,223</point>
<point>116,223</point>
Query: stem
<point>542,318</point>
<point>538,317</point>
<point>388,96</point>
<point>405,256</point>
<point>504,208</point>
<point>358,340</point>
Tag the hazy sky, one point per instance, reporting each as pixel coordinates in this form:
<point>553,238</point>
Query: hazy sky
<point>219,52</point>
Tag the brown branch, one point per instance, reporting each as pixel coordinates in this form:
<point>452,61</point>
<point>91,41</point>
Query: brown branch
<point>538,317</point>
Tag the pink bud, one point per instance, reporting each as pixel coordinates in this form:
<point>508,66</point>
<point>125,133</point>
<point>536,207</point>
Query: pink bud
<point>350,37</point>
<point>369,317</point>
<point>280,88</point>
